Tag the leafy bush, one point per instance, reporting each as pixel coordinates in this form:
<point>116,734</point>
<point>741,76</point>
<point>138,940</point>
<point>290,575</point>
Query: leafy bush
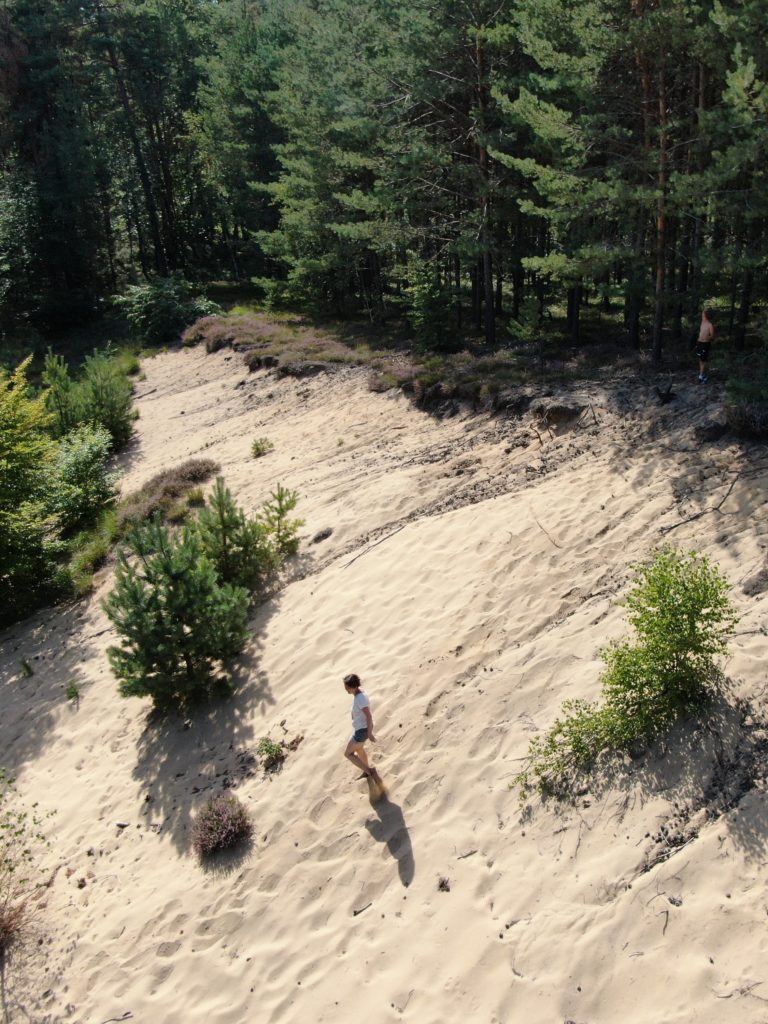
<point>27,556</point>
<point>80,486</point>
<point>21,839</point>
<point>242,549</point>
<point>261,446</point>
<point>159,311</point>
<point>222,823</point>
<point>90,549</point>
<point>272,754</point>
<point>275,513</point>
<point>161,492</point>
<point>174,617</point>
<point>682,618</point>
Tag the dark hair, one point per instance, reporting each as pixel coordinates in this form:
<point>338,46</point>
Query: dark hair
<point>352,680</point>
<point>709,312</point>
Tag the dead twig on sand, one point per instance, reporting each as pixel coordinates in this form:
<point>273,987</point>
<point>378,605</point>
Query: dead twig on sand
<point>705,511</point>
<point>544,531</point>
<point>380,541</point>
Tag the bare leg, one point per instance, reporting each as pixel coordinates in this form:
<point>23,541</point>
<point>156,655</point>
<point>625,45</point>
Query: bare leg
<point>355,753</point>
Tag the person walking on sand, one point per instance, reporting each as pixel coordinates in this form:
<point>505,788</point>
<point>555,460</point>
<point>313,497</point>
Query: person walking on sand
<point>704,344</point>
<point>362,724</point>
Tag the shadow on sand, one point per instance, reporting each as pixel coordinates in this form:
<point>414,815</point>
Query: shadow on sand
<point>390,828</point>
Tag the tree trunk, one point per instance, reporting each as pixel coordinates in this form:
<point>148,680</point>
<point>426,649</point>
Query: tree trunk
<point>661,222</point>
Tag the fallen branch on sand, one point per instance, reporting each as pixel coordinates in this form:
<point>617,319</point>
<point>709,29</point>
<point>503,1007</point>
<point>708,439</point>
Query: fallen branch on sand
<point>544,531</point>
<point>380,541</point>
<point>705,511</point>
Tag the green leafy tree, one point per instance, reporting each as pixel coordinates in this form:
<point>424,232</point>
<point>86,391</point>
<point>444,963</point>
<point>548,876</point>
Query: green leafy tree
<point>174,617</point>
<point>80,486</point>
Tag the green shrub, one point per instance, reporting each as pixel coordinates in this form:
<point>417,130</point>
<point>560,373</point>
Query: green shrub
<point>223,822</point>
<point>174,618</point>
<point>72,691</point>
<point>682,618</point>
<point>90,549</point>
<point>27,554</point>
<point>271,753</point>
<point>21,841</point>
<point>159,311</point>
<point>80,486</point>
<point>242,549</point>
<point>275,515</point>
<point>196,498</point>
<point>261,446</point>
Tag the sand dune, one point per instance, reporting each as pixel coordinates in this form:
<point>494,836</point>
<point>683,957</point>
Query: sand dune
<point>471,578</point>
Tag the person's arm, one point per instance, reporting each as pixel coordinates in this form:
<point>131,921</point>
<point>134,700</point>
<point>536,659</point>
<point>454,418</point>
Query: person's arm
<point>369,720</point>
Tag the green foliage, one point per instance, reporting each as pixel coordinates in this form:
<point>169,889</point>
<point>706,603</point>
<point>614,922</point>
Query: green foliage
<point>80,486</point>
<point>27,569</point>
<point>101,396</point>
<point>90,549</point>
<point>174,617</point>
<point>261,446</point>
<point>160,310</point>
<point>243,550</point>
<point>21,842</point>
<point>682,618</point>
<point>72,691</point>
<point>271,753</point>
<point>275,515</point>
<point>746,404</point>
<point>196,497</point>
<point>223,822</point>
<point>430,306</point>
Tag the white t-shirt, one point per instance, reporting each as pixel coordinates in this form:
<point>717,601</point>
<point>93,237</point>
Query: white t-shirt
<point>359,721</point>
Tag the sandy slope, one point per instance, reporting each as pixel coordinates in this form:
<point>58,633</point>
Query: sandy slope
<point>471,578</point>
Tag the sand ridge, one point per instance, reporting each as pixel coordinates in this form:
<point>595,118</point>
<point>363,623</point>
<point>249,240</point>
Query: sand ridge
<point>471,578</point>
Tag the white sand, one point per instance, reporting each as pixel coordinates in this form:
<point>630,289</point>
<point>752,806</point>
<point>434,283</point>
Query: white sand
<point>484,604</point>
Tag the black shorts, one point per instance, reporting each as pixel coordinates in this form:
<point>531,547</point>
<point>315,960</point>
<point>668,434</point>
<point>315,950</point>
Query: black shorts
<point>702,350</point>
<point>360,736</point>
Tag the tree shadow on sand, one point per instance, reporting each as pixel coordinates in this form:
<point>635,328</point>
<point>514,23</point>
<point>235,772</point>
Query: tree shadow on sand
<point>184,760</point>
<point>390,828</point>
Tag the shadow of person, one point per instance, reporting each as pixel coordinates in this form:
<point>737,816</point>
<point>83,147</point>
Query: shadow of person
<point>392,830</point>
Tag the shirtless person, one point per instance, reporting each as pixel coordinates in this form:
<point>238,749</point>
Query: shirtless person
<point>362,723</point>
<point>703,345</point>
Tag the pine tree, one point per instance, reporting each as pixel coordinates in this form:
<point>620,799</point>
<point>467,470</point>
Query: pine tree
<point>175,619</point>
<point>243,550</point>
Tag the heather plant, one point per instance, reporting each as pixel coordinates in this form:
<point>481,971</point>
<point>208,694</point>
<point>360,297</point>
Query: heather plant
<point>21,841</point>
<point>243,550</point>
<point>176,620</point>
<point>80,486</point>
<point>682,618</point>
<point>160,310</point>
<point>223,822</point>
<point>162,491</point>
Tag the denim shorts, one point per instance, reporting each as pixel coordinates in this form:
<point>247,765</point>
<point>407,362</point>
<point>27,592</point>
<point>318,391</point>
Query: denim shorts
<point>360,735</point>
